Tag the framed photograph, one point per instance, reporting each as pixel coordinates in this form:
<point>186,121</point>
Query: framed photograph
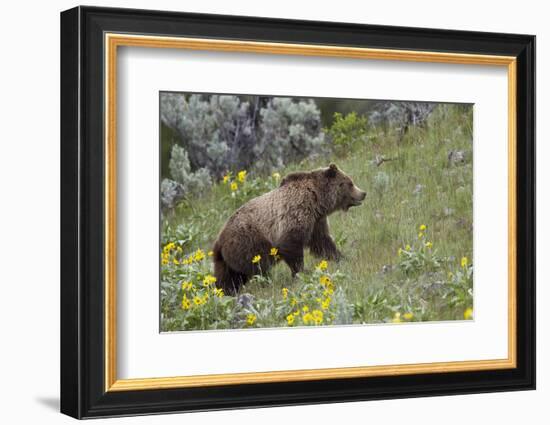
<point>261,212</point>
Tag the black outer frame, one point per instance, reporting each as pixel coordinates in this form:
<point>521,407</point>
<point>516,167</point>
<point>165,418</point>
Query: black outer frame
<point>82,218</point>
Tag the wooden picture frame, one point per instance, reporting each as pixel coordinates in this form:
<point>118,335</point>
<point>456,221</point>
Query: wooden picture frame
<point>90,39</point>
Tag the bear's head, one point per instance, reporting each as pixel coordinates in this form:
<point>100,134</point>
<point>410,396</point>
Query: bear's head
<point>339,191</point>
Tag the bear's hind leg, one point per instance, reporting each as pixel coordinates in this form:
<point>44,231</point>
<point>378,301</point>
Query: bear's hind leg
<point>236,261</point>
<point>227,279</point>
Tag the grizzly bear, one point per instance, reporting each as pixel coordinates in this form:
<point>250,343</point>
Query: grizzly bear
<point>289,219</point>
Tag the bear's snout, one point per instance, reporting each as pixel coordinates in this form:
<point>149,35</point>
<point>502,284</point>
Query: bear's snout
<point>357,197</point>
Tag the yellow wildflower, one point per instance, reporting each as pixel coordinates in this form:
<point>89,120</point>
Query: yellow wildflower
<point>407,247</point>
<point>186,286</point>
<point>468,313</point>
<point>293,302</point>
<point>285,293</point>
<point>168,247</point>
<point>276,176</point>
<point>397,318</point>
<point>326,303</point>
<point>290,319</point>
<point>199,255</point>
<point>296,313</point>
<point>420,235</point>
<point>256,259</point>
<point>422,227</point>
<point>218,292</point>
<point>328,291</point>
<point>251,319</point>
<point>164,261</point>
<point>464,262</point>
<point>428,245</point>
<point>305,309</point>
<point>241,176</point>
<point>208,280</point>
<point>325,280</point>
<point>307,318</point>
<point>175,261</point>
<point>273,252</point>
<point>234,186</point>
<point>210,253</point>
<point>197,300</point>
<point>317,316</point>
<point>408,316</point>
<point>226,178</point>
<point>185,303</point>
<point>323,265</point>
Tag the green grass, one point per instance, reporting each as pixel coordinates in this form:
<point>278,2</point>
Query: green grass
<point>417,186</point>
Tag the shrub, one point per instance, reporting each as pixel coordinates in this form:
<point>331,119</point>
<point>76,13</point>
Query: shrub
<point>290,132</point>
<point>171,193</point>
<point>229,133</point>
<point>346,131</point>
<point>192,182</point>
<point>211,129</point>
<point>401,115</point>
<point>183,182</point>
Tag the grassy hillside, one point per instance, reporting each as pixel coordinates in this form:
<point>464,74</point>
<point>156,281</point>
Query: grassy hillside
<point>407,250</point>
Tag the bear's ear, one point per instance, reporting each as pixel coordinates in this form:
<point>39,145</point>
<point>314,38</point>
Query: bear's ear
<point>331,171</point>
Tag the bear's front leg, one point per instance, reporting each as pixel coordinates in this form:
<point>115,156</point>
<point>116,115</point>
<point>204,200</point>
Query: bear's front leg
<point>291,250</point>
<point>321,244</point>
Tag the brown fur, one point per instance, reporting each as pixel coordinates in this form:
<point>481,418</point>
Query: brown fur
<point>289,218</point>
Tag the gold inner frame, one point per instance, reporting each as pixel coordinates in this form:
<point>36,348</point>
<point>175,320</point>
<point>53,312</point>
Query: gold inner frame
<point>113,41</point>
